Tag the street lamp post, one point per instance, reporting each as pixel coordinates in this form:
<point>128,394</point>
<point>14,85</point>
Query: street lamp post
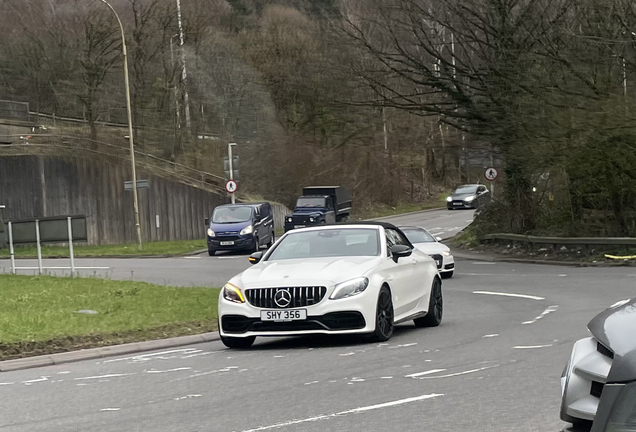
<point>130,127</point>
<point>230,157</point>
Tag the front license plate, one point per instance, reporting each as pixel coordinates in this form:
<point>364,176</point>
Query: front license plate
<point>227,243</point>
<point>457,204</point>
<point>299,226</point>
<point>284,315</point>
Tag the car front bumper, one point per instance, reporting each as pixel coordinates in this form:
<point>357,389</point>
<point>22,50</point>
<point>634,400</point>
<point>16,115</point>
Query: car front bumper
<point>344,316</point>
<point>238,243</point>
<point>583,380</point>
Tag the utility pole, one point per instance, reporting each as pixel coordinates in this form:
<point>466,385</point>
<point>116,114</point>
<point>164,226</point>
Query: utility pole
<point>130,127</point>
<point>229,155</point>
<point>184,73</point>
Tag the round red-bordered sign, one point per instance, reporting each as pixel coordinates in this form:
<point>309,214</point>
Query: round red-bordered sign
<point>231,186</point>
<point>491,174</point>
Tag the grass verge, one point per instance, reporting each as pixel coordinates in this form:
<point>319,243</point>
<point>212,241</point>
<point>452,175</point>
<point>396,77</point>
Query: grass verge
<point>383,210</point>
<point>105,251</point>
<point>38,315</point>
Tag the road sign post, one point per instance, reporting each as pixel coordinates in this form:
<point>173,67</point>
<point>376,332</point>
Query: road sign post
<point>231,183</point>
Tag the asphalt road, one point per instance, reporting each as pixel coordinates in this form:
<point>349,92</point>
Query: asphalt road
<point>493,366</point>
<point>203,270</point>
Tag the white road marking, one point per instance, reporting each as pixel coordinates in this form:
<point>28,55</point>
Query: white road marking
<point>347,354</point>
<point>343,413</point>
<point>41,379</point>
<point>192,257</point>
<point>544,313</point>
<point>509,295</point>
<point>429,372</point>
<point>110,409</point>
<point>197,355</point>
<point>103,376</point>
<point>490,335</point>
<point>405,345</point>
<point>146,357</point>
<point>187,397</point>
<point>483,263</point>
<point>312,382</point>
<point>562,275</point>
<point>230,257</point>
<point>64,372</point>
<point>9,383</point>
<point>532,346</point>
<point>458,373</point>
<point>387,377</point>
<point>168,370</point>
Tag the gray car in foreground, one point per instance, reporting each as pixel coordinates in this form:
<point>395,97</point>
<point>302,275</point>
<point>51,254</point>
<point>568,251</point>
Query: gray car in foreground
<point>598,385</point>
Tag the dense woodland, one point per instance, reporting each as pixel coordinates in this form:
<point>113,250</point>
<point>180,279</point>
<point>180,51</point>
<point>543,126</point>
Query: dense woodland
<point>383,96</point>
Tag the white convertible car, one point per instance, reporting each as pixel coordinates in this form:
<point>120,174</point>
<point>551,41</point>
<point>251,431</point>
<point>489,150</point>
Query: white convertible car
<point>347,278</point>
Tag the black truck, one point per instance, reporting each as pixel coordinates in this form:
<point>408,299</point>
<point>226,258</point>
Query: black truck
<point>320,205</point>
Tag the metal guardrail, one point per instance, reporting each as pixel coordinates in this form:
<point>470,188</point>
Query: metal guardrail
<point>581,241</point>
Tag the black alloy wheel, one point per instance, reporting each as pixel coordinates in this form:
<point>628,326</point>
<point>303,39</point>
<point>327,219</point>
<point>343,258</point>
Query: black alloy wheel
<point>435,307</point>
<point>384,316</point>
<point>238,343</point>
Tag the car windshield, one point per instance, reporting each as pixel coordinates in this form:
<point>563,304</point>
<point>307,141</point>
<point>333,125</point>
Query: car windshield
<point>418,236</point>
<point>231,214</point>
<point>328,243</point>
<point>466,190</point>
<point>310,202</point>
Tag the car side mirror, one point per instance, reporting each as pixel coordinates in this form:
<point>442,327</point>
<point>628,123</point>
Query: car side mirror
<point>439,239</point>
<point>207,222</point>
<point>256,257</point>
<point>400,251</point>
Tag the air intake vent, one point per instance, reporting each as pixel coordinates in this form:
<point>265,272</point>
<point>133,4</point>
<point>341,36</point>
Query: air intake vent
<point>604,350</point>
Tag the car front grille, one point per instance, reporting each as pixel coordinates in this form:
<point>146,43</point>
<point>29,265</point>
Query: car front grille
<point>300,296</point>
<point>335,321</point>
<point>228,237</point>
<point>439,260</point>
<point>604,350</point>
<point>597,389</point>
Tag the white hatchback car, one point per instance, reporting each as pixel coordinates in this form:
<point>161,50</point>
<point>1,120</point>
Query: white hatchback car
<point>347,278</point>
<point>432,246</point>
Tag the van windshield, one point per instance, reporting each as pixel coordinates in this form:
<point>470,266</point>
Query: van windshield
<point>231,214</point>
<point>311,202</point>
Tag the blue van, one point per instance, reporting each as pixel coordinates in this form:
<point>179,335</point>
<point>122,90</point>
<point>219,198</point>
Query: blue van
<point>241,227</point>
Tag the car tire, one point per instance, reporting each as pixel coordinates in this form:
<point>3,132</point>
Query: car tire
<point>435,307</point>
<point>384,315</point>
<point>272,240</point>
<point>211,252</point>
<point>449,207</point>
<point>257,245</point>
<point>238,343</point>
<point>448,275</point>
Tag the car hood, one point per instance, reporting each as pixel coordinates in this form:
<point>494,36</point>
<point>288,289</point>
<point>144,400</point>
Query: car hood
<point>308,210</point>
<point>229,227</point>
<point>462,196</point>
<point>615,328</point>
<point>305,272</point>
<point>431,248</point>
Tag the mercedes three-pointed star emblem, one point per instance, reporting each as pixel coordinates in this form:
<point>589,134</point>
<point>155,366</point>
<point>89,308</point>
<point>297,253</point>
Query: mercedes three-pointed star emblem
<point>282,298</point>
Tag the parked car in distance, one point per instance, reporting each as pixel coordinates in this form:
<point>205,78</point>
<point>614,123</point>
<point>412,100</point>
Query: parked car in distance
<point>433,247</point>
<point>469,196</point>
<point>598,384</point>
<point>240,227</point>
<point>349,278</point>
<point>320,205</point>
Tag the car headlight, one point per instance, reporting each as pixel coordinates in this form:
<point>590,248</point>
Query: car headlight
<point>211,233</point>
<point>469,199</point>
<point>623,417</point>
<point>247,230</point>
<point>289,219</point>
<point>233,293</point>
<point>449,199</point>
<point>312,219</point>
<point>446,253</point>
<point>350,288</point>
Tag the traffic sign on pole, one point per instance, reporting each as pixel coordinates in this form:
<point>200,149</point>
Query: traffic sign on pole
<point>491,174</point>
<point>231,186</point>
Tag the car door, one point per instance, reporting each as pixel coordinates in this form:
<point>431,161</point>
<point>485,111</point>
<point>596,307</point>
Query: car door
<point>330,215</point>
<point>405,284</point>
<point>267,222</point>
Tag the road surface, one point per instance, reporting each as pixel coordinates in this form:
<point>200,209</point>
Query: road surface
<point>493,366</point>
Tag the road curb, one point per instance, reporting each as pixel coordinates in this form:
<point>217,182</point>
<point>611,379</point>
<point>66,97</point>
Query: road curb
<point>472,257</point>
<point>107,351</point>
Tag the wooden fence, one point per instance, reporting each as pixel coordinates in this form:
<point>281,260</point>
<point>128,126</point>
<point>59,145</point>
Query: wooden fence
<point>41,186</point>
